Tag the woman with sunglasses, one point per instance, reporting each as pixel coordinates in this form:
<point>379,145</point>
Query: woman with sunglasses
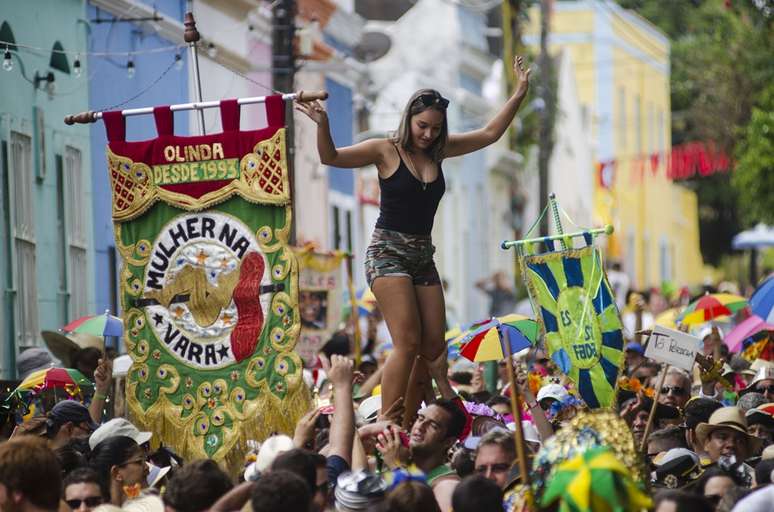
<point>120,463</point>
<point>399,261</point>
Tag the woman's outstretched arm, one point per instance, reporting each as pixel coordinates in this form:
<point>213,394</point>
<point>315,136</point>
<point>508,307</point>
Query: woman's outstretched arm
<point>463,143</point>
<point>358,155</point>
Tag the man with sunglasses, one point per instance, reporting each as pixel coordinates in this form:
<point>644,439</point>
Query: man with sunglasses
<point>676,389</point>
<point>763,383</point>
<point>68,420</point>
<point>82,490</point>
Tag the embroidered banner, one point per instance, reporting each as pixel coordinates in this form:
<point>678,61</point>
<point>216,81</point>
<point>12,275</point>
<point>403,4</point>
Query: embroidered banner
<point>208,284</point>
<point>580,320</point>
<point>319,300</point>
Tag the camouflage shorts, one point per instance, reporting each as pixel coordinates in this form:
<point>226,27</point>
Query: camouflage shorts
<point>392,253</point>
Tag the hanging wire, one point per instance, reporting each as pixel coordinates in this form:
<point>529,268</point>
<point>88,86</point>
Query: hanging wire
<point>146,89</point>
<point>45,51</point>
<point>228,68</point>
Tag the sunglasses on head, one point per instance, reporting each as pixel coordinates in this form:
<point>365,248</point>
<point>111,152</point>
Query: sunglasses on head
<point>433,99</point>
<point>676,390</point>
<point>764,389</point>
<point>91,502</point>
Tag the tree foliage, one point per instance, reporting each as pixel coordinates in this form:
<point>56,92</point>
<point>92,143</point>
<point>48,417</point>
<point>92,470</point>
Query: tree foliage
<point>720,62</point>
<point>754,173</point>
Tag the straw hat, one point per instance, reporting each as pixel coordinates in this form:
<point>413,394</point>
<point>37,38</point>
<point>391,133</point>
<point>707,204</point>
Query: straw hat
<point>727,417</point>
<point>64,345</point>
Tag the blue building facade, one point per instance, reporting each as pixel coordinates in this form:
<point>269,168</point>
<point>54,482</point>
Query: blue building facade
<point>45,190</point>
<point>160,77</point>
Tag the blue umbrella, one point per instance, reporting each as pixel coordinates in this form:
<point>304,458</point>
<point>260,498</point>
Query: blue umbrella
<point>762,301</point>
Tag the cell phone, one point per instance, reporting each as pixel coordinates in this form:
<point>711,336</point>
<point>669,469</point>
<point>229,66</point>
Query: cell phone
<point>404,439</point>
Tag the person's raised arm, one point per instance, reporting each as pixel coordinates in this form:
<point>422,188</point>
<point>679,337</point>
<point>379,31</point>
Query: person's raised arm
<point>342,431</point>
<point>463,143</point>
<point>358,155</point>
<point>103,378</point>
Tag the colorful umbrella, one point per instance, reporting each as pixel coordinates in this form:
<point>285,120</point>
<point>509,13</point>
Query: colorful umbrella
<point>98,325</point>
<point>711,307</point>
<point>55,378</point>
<point>744,330</point>
<point>486,340</point>
<point>594,480</point>
<point>762,301</point>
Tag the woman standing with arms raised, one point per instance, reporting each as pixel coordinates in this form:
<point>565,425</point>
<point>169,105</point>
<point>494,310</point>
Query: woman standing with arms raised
<point>399,261</point>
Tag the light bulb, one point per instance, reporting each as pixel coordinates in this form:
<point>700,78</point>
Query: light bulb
<point>178,61</point>
<point>7,62</point>
<point>130,71</point>
<point>77,66</point>
<point>212,51</point>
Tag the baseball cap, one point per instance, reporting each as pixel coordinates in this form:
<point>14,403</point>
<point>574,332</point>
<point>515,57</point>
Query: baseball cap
<point>635,347</point>
<point>71,411</point>
<point>118,427</point>
<point>555,391</point>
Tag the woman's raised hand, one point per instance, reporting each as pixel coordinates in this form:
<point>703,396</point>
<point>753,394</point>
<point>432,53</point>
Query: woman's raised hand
<point>313,110</point>
<point>521,76</point>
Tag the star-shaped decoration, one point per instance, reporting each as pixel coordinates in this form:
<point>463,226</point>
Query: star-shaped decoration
<point>201,257</point>
<point>179,312</point>
<point>227,319</point>
<point>223,351</point>
<point>158,319</point>
<point>224,262</point>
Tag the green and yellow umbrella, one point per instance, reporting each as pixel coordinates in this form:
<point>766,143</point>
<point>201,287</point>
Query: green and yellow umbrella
<point>594,481</point>
<point>711,307</point>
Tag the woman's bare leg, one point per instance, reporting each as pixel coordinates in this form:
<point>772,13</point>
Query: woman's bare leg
<point>398,303</point>
<point>432,312</point>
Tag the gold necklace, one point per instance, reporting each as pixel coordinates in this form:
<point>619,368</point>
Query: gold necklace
<point>416,170</point>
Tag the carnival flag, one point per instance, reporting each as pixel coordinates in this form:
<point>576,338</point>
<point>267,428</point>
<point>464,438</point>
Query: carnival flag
<point>208,283</point>
<point>320,292</point>
<point>580,320</point>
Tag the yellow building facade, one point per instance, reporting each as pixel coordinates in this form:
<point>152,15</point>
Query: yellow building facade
<point>622,73</point>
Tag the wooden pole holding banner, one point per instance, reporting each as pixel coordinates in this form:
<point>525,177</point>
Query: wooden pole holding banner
<point>355,311</point>
<point>91,116</point>
<point>652,415</point>
<point>518,432</point>
<point>191,36</point>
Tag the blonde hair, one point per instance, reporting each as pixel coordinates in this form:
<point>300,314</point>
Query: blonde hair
<point>413,107</point>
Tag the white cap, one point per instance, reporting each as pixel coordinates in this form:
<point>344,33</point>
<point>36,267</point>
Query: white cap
<point>676,453</point>
<point>118,427</point>
<point>121,365</point>
<point>555,391</point>
<point>530,432</point>
<point>270,449</point>
<point>369,408</point>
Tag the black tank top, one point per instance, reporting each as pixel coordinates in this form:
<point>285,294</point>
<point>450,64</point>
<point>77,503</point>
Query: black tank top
<point>407,205</point>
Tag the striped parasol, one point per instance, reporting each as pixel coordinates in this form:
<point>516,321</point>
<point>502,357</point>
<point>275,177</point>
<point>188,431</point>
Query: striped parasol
<point>485,340</point>
<point>97,325</point>
<point>711,307</point>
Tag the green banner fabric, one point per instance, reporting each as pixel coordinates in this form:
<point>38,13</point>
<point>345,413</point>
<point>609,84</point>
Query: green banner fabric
<point>209,285</point>
<point>579,318</point>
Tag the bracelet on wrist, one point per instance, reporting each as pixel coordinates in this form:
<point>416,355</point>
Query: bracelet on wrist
<point>100,396</point>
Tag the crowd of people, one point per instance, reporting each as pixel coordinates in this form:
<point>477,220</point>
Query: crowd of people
<point>707,444</point>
